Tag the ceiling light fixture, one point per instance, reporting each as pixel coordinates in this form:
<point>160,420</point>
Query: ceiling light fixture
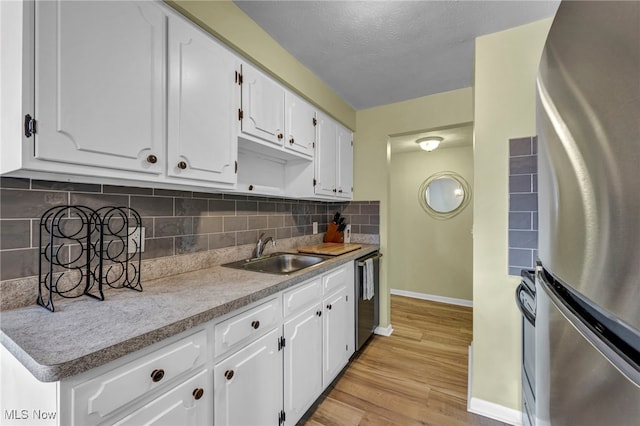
<point>429,143</point>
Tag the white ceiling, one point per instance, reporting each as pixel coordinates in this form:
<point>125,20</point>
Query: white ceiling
<point>379,52</point>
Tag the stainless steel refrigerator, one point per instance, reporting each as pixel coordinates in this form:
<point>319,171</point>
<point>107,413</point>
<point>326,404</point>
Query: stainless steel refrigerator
<point>588,285</point>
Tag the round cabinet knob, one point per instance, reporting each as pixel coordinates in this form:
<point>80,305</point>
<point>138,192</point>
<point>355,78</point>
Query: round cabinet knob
<point>334,190</point>
<point>255,324</point>
<point>319,313</point>
<point>152,159</point>
<point>228,374</point>
<point>292,141</point>
<point>197,393</point>
<point>340,191</point>
<point>157,375</point>
<point>182,165</point>
<point>250,187</point>
<point>329,307</point>
<point>280,136</point>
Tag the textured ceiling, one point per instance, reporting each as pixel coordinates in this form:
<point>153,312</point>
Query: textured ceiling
<point>379,52</point>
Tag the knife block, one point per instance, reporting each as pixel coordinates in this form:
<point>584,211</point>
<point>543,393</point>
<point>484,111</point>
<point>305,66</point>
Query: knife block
<point>332,235</point>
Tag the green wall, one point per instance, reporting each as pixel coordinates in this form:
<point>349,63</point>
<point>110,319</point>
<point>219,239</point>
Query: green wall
<point>504,104</point>
<point>429,256</point>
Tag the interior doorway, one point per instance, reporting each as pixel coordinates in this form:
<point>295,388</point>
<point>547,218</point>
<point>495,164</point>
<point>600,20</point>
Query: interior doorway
<point>433,254</point>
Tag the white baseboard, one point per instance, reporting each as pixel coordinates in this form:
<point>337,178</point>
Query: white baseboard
<point>432,297</point>
<point>495,411</point>
<point>384,331</point>
<point>489,409</point>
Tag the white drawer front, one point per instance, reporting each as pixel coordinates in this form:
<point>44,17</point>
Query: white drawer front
<point>303,295</point>
<point>245,327</point>
<point>340,276</point>
<point>179,406</point>
<point>99,397</point>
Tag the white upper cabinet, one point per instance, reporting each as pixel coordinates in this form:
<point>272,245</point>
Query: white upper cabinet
<point>344,143</point>
<point>274,116</point>
<point>326,156</point>
<point>129,92</point>
<point>99,84</point>
<point>262,106</point>
<point>300,122</point>
<point>203,101</point>
<point>334,159</point>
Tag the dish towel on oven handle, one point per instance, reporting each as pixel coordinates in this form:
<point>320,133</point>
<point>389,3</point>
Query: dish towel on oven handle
<point>367,285</point>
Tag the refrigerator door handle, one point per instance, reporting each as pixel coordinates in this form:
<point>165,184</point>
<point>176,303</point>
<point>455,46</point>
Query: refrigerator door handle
<point>623,365</point>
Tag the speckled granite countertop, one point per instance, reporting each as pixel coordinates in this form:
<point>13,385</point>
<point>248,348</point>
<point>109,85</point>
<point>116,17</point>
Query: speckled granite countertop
<point>84,333</point>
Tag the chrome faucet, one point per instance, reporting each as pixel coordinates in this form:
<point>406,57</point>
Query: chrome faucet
<point>260,245</point>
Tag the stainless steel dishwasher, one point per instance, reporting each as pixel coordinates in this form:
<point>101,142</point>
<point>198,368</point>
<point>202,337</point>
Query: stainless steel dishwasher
<point>367,311</point>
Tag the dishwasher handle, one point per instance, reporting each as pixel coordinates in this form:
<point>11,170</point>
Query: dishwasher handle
<point>375,257</point>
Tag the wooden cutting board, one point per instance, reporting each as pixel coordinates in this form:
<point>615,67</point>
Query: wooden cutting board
<point>331,249</point>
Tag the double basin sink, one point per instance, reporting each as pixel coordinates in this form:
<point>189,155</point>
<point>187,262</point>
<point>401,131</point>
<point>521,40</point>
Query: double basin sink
<point>278,263</point>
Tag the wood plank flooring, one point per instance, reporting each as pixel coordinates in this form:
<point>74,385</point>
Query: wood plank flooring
<point>417,376</point>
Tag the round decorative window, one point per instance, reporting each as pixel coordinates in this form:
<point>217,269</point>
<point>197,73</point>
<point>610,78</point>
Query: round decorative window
<point>444,195</point>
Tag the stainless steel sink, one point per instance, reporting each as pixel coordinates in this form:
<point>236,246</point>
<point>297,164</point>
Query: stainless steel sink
<point>278,263</point>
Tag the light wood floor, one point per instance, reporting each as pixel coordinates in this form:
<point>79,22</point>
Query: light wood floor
<point>417,376</point>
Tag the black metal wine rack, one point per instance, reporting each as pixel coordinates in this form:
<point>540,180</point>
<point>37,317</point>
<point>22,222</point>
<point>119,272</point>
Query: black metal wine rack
<point>82,249</point>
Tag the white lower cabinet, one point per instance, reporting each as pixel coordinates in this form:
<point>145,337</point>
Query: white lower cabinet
<point>248,384</point>
<point>336,342</point>
<point>302,362</point>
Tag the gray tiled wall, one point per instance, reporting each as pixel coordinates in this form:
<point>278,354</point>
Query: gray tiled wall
<point>176,222</point>
<point>523,204</point>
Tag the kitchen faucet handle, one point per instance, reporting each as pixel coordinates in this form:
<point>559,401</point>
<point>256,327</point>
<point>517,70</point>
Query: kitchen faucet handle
<point>260,237</point>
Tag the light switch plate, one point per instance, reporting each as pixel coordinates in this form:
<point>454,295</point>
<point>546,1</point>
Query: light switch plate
<point>136,240</point>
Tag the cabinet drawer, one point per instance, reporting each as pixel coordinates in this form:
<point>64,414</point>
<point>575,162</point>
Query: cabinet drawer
<point>101,396</point>
<point>246,326</point>
<point>302,295</point>
<point>179,406</point>
<point>342,275</point>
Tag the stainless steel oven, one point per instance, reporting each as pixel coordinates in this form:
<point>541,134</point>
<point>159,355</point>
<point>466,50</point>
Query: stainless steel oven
<point>526,301</point>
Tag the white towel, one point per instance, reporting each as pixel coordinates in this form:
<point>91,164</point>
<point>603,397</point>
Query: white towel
<point>367,286</point>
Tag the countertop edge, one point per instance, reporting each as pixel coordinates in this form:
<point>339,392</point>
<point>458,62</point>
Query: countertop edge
<point>60,371</point>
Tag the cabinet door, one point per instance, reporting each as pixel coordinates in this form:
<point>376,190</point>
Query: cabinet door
<point>301,125</point>
<point>100,84</point>
<point>262,106</point>
<point>248,384</point>
<point>186,404</point>
<point>326,156</point>
<point>345,163</point>
<point>203,104</point>
<point>302,362</point>
<point>338,329</point>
